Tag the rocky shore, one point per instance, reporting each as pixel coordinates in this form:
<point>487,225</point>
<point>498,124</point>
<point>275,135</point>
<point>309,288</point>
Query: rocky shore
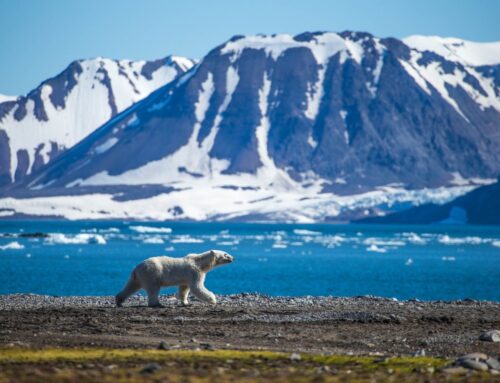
<point>462,332</point>
<point>361,325</point>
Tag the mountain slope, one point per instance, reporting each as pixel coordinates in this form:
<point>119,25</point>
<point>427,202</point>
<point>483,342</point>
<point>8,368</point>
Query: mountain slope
<point>480,207</point>
<point>467,53</point>
<point>314,125</point>
<point>65,109</point>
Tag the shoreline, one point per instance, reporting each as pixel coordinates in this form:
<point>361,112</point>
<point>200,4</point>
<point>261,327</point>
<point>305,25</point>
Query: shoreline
<point>10,300</point>
<point>245,337</point>
<point>358,325</point>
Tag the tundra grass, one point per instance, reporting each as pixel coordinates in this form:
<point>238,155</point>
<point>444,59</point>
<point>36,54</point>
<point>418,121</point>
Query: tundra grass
<point>127,365</point>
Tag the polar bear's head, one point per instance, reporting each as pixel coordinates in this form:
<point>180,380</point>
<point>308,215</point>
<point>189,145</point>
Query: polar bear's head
<point>210,259</point>
<point>221,257</point>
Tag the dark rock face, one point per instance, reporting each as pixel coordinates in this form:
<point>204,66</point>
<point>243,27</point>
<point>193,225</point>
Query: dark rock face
<point>64,83</point>
<point>4,159</point>
<point>6,107</point>
<point>23,163</point>
<point>290,128</point>
<point>152,66</point>
<point>236,140</point>
<point>39,161</point>
<point>374,125</point>
<point>106,81</point>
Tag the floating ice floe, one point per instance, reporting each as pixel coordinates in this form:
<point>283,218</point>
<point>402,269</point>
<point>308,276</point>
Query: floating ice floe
<point>414,238</point>
<point>150,229</point>
<point>228,243</point>
<point>496,243</point>
<point>329,241</point>
<point>154,240</point>
<point>376,249</point>
<point>12,246</point>
<point>447,240</point>
<point>186,239</point>
<point>409,262</point>
<point>82,238</point>
<point>383,242</point>
<point>110,230</point>
<point>279,246</point>
<point>169,248</point>
<point>448,259</point>
<point>306,232</point>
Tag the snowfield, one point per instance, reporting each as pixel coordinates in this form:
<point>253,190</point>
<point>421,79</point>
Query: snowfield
<point>209,202</point>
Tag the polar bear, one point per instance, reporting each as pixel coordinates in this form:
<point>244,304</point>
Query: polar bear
<point>188,273</point>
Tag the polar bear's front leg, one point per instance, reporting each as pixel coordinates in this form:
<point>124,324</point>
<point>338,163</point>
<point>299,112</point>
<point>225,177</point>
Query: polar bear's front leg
<point>200,291</point>
<point>182,294</point>
<point>153,296</point>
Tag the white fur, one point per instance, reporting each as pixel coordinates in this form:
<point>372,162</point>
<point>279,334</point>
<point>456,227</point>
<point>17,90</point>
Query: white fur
<point>188,273</point>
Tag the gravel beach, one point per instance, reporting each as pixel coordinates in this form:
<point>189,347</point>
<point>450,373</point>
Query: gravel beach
<point>352,326</point>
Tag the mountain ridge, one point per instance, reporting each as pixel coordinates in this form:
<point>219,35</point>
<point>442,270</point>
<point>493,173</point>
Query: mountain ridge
<point>65,108</point>
<point>293,118</point>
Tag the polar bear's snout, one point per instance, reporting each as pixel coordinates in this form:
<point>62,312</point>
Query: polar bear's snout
<point>223,258</point>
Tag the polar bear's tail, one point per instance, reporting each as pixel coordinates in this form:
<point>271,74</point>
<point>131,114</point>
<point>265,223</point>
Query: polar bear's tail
<point>131,287</point>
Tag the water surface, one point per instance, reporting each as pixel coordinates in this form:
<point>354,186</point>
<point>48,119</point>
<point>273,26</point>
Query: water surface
<point>95,258</point>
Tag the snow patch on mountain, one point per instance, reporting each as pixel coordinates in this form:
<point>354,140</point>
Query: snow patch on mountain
<point>183,62</point>
<point>262,131</point>
<point>315,95</point>
<point>434,74</point>
<point>453,49</point>
<point>5,98</point>
<point>322,46</point>
<point>380,49</point>
<point>104,147</point>
<point>232,79</point>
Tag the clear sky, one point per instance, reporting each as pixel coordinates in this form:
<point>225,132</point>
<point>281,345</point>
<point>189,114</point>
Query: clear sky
<point>39,38</point>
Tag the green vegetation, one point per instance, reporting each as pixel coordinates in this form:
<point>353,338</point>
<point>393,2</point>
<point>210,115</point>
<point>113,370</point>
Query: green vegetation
<point>127,365</point>
<point>80,355</point>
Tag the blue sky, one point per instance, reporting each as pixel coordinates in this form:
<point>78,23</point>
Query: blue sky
<point>39,38</point>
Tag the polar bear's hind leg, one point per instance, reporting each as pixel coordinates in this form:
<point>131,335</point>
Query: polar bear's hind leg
<point>131,287</point>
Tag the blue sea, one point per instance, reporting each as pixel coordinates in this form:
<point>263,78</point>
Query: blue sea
<point>95,258</point>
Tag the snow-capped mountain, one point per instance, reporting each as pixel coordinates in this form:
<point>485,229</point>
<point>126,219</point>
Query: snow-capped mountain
<point>311,127</point>
<point>66,108</point>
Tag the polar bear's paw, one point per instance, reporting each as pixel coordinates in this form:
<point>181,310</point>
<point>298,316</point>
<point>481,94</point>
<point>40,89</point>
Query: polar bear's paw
<point>118,301</point>
<point>212,300</point>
